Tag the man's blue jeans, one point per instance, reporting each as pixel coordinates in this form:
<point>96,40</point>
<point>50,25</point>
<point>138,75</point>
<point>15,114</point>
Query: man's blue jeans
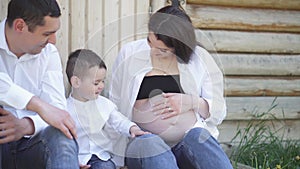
<point>197,150</point>
<point>49,149</point>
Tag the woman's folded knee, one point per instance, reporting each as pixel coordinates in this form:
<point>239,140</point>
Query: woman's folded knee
<point>146,146</point>
<point>199,135</point>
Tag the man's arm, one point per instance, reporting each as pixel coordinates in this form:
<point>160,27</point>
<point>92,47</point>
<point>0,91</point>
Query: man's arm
<point>61,119</point>
<point>12,128</point>
<point>19,98</point>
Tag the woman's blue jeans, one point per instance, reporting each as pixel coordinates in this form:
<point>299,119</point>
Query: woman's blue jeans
<point>49,149</point>
<point>197,150</point>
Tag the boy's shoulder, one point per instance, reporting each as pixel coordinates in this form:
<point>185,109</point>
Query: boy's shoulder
<point>104,100</point>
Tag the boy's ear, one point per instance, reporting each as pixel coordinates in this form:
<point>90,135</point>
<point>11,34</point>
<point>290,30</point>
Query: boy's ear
<point>75,82</point>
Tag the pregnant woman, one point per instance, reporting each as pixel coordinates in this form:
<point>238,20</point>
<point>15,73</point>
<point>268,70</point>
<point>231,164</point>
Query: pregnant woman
<point>171,87</point>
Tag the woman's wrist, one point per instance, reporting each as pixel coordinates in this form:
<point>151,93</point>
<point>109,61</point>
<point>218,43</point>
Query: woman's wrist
<point>200,106</point>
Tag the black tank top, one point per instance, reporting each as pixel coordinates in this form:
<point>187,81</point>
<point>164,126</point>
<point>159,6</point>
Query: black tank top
<point>155,85</point>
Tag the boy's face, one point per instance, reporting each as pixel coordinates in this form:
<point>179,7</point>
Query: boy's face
<point>92,84</point>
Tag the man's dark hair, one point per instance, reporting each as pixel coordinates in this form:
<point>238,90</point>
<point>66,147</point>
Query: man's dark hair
<point>80,61</point>
<point>32,11</point>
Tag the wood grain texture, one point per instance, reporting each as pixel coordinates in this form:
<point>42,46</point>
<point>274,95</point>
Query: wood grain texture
<point>245,108</point>
<point>258,64</point>
<point>3,9</point>
<point>94,16</point>
<point>262,86</point>
<point>249,42</point>
<point>212,17</point>
<point>287,129</point>
<point>273,4</point>
<point>78,25</point>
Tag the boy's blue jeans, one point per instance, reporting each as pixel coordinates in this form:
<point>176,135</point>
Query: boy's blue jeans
<point>97,163</point>
<point>49,149</point>
<point>197,150</point>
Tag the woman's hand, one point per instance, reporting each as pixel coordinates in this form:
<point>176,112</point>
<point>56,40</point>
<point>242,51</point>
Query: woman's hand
<point>170,104</point>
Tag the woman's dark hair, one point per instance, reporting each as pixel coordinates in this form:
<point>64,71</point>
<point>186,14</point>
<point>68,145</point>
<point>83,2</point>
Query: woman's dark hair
<point>174,28</point>
<point>32,11</point>
<point>80,61</point>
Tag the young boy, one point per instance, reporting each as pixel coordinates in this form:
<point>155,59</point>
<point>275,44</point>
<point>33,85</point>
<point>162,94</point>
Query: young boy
<point>94,115</point>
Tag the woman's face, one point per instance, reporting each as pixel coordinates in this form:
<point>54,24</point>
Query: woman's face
<point>158,48</point>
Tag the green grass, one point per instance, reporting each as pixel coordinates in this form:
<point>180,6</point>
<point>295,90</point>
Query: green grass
<point>260,145</point>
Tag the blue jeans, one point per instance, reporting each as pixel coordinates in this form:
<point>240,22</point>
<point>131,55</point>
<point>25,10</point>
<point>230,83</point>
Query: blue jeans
<point>49,149</point>
<point>197,150</point>
<point>97,163</point>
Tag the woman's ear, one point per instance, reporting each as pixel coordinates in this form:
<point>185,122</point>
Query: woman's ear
<point>75,81</point>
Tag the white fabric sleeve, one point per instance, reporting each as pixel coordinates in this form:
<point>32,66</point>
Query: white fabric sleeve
<point>38,122</point>
<point>120,123</point>
<point>12,94</point>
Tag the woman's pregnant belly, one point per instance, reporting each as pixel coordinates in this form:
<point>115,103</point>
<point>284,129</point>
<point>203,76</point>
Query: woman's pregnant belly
<point>171,130</point>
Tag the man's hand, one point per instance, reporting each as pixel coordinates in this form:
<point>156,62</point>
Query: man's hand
<point>12,128</point>
<point>54,116</point>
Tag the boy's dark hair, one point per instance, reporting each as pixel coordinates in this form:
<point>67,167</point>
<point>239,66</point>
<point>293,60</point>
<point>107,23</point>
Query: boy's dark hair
<point>173,26</point>
<point>80,61</point>
<point>32,11</point>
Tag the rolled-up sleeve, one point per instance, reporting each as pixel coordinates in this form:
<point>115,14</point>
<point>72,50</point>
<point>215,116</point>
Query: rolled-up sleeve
<point>12,94</point>
<point>39,124</point>
<point>213,89</point>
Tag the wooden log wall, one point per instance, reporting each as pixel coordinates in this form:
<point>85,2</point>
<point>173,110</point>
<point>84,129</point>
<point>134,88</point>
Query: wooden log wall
<point>101,25</point>
<point>255,43</point>
<point>257,46</point>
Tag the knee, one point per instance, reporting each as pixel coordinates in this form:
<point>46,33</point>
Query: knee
<point>146,145</point>
<point>146,140</point>
<point>197,135</point>
<point>57,140</point>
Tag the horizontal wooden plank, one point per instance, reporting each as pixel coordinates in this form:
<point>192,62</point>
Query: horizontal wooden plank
<point>77,25</point>
<point>273,4</point>
<point>262,86</point>
<point>3,9</point>
<point>211,17</point>
<point>246,108</point>
<point>288,129</point>
<point>258,64</point>
<point>249,42</point>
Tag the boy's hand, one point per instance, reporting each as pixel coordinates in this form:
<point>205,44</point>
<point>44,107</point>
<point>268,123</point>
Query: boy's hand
<point>136,131</point>
<point>83,166</point>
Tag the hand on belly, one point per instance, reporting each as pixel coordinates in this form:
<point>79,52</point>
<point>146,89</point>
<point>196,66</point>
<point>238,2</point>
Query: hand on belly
<point>170,129</point>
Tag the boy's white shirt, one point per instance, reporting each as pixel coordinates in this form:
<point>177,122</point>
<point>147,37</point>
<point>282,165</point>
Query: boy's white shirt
<point>99,125</point>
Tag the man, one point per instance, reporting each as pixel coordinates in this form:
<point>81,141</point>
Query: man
<point>32,90</point>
